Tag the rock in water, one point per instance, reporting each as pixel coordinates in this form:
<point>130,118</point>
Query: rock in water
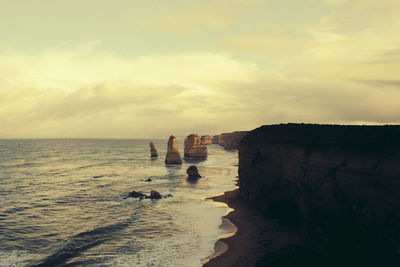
<point>215,139</point>
<point>155,195</point>
<point>136,194</point>
<point>194,147</point>
<point>206,139</point>
<point>173,156</point>
<point>153,150</point>
<point>193,172</point>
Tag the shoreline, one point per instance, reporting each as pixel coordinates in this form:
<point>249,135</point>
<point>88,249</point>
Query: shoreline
<point>255,238</point>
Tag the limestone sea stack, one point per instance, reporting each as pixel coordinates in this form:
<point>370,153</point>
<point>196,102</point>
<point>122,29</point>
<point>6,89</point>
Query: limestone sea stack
<point>153,150</point>
<point>215,139</point>
<point>194,147</point>
<point>173,156</point>
<point>206,139</point>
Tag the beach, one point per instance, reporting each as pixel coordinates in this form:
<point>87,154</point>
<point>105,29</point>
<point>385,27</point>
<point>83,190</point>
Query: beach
<point>256,237</point>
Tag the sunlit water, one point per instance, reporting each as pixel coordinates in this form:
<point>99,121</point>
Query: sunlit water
<point>62,203</point>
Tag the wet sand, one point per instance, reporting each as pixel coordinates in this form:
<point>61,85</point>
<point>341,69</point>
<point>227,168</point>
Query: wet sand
<point>256,237</point>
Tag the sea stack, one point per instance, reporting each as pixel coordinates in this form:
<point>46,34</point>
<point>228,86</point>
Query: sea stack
<point>215,139</point>
<point>173,156</point>
<point>193,172</point>
<point>194,147</point>
<point>206,139</point>
<point>153,150</point>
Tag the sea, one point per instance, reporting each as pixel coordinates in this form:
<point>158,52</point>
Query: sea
<point>63,202</point>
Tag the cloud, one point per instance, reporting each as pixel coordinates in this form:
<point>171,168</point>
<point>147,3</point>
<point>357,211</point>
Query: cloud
<point>208,68</point>
<point>66,92</point>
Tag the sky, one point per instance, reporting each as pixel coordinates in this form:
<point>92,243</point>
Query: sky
<point>136,69</point>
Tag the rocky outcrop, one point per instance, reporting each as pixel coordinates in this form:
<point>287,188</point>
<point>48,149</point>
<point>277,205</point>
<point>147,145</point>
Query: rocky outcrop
<point>153,195</point>
<point>206,139</point>
<point>215,139</point>
<point>339,184</point>
<point>231,140</point>
<point>153,150</point>
<point>193,172</point>
<point>194,147</point>
<point>173,156</point>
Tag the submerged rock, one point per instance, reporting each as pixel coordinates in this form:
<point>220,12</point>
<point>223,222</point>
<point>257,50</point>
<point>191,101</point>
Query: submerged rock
<point>136,194</point>
<point>195,147</point>
<point>153,150</point>
<point>173,156</point>
<point>153,195</point>
<point>193,172</point>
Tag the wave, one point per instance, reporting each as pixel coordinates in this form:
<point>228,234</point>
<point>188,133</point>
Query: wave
<point>82,242</point>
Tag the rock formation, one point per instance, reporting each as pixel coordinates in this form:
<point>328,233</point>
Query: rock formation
<point>193,172</point>
<point>231,140</point>
<point>215,139</point>
<point>339,184</point>
<point>136,194</point>
<point>194,147</point>
<point>206,139</point>
<point>173,156</point>
<point>153,195</point>
<point>153,150</point>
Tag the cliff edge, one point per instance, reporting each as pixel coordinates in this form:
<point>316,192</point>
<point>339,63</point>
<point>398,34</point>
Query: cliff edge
<point>338,185</point>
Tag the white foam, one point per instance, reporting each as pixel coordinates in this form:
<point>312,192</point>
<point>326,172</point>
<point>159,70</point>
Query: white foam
<point>17,258</point>
<point>199,222</point>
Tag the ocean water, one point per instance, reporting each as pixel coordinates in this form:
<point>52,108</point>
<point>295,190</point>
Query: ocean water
<point>62,203</point>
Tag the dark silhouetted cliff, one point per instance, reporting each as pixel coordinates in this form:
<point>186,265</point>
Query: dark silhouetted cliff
<point>339,185</point>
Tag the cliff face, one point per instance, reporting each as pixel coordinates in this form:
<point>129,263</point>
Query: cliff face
<point>215,139</point>
<point>231,140</point>
<point>339,184</point>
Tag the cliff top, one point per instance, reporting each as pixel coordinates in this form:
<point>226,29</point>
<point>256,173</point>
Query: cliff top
<point>349,138</point>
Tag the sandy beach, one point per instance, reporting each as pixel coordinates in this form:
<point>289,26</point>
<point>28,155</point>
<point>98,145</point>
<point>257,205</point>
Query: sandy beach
<point>256,237</point>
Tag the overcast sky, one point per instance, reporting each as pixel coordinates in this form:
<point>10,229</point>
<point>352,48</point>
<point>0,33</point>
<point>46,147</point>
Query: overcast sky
<point>129,69</point>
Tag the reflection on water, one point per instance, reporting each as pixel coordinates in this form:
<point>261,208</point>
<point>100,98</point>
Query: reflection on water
<point>61,202</point>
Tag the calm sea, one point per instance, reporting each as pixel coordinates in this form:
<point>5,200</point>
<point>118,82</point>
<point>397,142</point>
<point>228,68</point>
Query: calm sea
<point>62,204</point>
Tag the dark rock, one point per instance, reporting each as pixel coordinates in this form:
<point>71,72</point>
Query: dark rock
<point>148,180</point>
<point>193,172</point>
<point>155,195</point>
<point>136,194</point>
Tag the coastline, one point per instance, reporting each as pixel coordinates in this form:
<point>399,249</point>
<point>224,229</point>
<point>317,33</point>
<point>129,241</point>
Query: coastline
<point>256,237</point>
